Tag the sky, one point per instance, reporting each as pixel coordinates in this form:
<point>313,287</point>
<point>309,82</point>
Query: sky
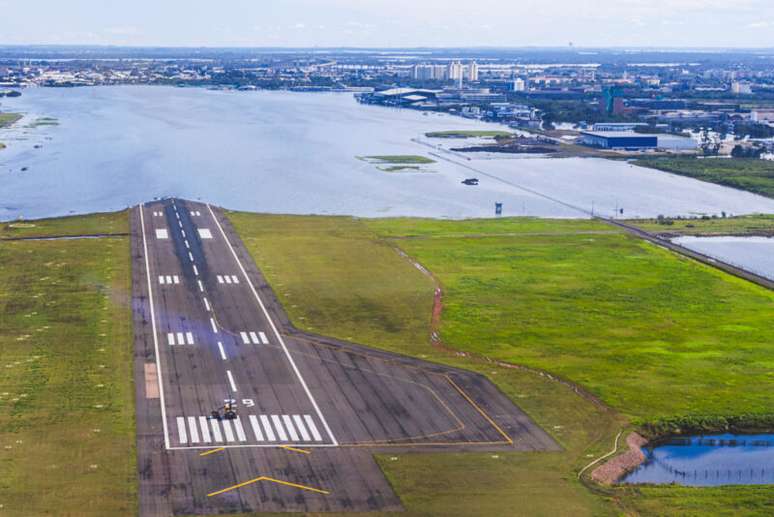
<point>390,23</point>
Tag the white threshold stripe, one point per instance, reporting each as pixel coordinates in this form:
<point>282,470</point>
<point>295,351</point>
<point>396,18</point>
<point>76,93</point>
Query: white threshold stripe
<point>227,431</point>
<point>194,430</point>
<point>169,279</point>
<point>170,338</point>
<point>180,338</point>
<point>176,279</point>
<point>267,427</point>
<point>301,429</point>
<point>278,426</point>
<point>244,337</point>
<point>235,279</point>
<point>220,279</point>
<point>290,427</point>
<point>206,304</point>
<point>274,329</point>
<point>205,429</point>
<point>227,278</point>
<point>263,338</point>
<point>313,428</point>
<point>189,338</point>
<point>216,431</point>
<point>256,427</point>
<point>254,338</point>
<point>182,435</point>
<point>240,432</point>
<point>222,352</point>
<point>231,381</point>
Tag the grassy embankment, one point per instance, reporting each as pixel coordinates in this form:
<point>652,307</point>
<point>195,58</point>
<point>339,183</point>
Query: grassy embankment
<point>649,332</point>
<point>746,174</point>
<point>759,224</point>
<point>399,162</point>
<point>6,119</point>
<point>66,397</point>
<point>468,133</point>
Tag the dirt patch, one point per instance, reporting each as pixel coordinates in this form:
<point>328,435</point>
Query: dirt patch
<point>613,470</point>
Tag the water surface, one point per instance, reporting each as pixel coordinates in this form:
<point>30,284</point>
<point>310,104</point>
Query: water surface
<point>724,459</point>
<point>288,152</point>
<point>754,254</point>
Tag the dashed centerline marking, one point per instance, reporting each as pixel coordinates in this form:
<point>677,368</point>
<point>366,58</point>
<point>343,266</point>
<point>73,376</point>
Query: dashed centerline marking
<point>195,270</point>
<point>222,352</point>
<point>206,304</point>
<point>231,381</point>
<point>214,327</point>
<point>201,287</point>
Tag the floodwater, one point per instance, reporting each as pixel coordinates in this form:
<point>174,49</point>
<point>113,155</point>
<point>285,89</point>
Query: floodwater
<point>725,459</point>
<point>755,254</point>
<point>286,152</point>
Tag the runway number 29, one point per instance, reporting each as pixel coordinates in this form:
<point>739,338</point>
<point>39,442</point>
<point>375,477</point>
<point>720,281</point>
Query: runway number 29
<point>245,402</point>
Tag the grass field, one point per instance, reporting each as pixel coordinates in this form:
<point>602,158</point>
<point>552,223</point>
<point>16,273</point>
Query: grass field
<point>66,396</point>
<point>653,334</point>
<point>110,222</point>
<point>760,224</point>
<point>745,174</point>
<point>399,159</point>
<point>467,133</point>
<point>6,119</point>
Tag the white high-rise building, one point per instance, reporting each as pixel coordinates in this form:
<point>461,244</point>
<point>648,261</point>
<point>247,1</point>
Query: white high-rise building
<point>455,71</point>
<point>519,85</point>
<point>473,71</point>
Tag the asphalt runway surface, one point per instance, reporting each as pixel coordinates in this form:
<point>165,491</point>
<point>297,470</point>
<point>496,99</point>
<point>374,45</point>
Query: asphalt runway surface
<point>311,411</point>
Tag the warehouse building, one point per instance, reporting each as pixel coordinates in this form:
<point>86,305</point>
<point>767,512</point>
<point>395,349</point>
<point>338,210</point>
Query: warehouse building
<point>618,140</point>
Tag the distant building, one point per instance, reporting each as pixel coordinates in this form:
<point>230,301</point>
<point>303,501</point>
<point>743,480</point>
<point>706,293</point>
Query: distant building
<point>472,70</point>
<point>740,88</point>
<point>455,71</point>
<point>617,126</point>
<point>762,116</point>
<point>519,85</point>
<point>618,140</point>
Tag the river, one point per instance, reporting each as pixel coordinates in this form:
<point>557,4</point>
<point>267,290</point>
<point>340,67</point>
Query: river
<point>283,152</point>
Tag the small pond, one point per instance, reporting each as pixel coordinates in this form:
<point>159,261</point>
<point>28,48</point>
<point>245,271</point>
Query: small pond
<point>712,460</point>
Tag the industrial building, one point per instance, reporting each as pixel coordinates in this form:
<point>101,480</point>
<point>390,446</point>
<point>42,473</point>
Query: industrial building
<point>618,140</point>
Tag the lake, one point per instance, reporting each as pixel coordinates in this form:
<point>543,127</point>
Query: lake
<point>754,254</point>
<point>724,459</point>
<point>285,152</point>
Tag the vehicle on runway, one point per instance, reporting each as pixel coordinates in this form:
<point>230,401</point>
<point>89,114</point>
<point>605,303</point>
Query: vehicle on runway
<point>227,412</point>
<point>470,181</point>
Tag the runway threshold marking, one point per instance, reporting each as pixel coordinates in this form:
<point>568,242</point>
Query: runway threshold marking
<point>271,480</point>
<point>295,449</point>
<point>212,451</point>
<point>274,328</point>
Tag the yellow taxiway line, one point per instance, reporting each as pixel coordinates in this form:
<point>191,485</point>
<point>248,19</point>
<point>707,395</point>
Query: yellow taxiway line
<point>212,451</point>
<point>271,480</point>
<point>294,449</point>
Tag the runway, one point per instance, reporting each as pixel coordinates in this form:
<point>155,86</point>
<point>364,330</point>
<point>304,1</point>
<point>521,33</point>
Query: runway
<point>311,410</point>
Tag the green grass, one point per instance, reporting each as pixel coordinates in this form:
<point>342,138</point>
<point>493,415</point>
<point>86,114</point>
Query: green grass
<point>335,277</point>
<point>746,174</point>
<point>467,133</point>
<point>631,322</point>
<point>652,333</point>
<point>109,222</point>
<point>66,394</point>
<point>399,159</point>
<point>759,224</point>
<point>6,119</point>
